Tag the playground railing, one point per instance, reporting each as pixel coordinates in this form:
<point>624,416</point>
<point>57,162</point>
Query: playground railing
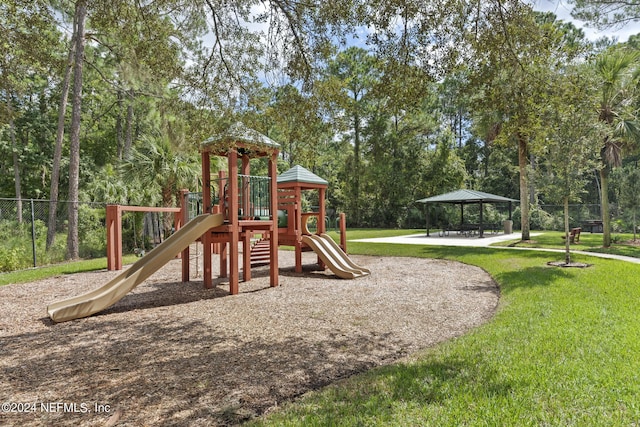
<point>254,196</point>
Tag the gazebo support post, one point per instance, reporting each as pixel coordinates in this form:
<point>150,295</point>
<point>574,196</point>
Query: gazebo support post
<point>481,225</point>
<point>426,205</point>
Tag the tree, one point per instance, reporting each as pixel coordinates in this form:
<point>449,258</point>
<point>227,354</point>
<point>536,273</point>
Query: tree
<point>617,89</point>
<point>569,154</point>
<point>57,154</point>
<point>156,168</point>
<point>606,13</point>
<point>351,76</point>
<point>510,83</point>
<point>74,137</point>
<point>630,194</point>
<point>29,45</point>
<point>296,124</point>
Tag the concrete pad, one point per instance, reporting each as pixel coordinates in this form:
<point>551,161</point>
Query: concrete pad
<point>453,239</point>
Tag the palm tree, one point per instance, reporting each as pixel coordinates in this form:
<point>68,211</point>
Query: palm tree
<point>160,171</point>
<point>615,68</point>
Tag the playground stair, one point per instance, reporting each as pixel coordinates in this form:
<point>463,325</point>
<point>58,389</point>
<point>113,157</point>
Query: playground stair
<point>260,253</point>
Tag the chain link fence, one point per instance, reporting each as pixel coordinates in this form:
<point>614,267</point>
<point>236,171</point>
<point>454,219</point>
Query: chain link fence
<point>24,228</point>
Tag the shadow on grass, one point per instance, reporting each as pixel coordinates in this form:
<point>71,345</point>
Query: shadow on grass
<point>380,395</point>
<point>503,265</point>
<point>530,277</point>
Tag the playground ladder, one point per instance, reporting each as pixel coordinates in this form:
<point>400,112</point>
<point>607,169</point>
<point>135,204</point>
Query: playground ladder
<point>260,253</point>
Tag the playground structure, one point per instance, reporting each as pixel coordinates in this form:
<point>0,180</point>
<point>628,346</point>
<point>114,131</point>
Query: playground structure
<point>237,208</point>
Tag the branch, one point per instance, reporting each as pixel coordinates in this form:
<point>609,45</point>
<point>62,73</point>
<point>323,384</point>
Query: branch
<point>507,38</point>
<point>282,6</point>
<point>218,45</point>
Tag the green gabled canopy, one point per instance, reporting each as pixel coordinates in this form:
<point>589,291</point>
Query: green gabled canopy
<point>298,174</point>
<point>239,135</point>
<point>466,196</point>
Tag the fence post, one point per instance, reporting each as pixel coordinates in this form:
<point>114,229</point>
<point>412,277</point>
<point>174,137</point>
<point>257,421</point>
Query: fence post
<point>33,234</point>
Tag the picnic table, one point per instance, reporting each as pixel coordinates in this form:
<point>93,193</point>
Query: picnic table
<point>593,225</point>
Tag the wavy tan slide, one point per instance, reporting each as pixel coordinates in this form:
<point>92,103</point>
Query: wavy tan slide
<point>339,250</point>
<point>331,254</point>
<point>107,295</point>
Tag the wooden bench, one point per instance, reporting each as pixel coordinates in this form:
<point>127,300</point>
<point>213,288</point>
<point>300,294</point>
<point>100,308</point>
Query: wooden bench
<point>574,236</point>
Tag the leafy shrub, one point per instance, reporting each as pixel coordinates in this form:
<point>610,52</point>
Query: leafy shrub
<point>538,219</point>
<point>91,232</point>
<point>10,259</point>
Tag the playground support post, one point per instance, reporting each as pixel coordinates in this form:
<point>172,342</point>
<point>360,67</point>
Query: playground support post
<point>343,232</point>
<point>273,207</point>
<point>114,229</point>
<point>184,218</point>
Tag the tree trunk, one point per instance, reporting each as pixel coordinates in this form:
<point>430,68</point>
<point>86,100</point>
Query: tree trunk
<point>16,162</point>
<point>128,138</point>
<point>532,189</point>
<point>57,153</point>
<point>567,243</point>
<point>74,150</point>
<point>523,160</point>
<point>606,220</point>
<point>356,168</point>
<point>119,132</point>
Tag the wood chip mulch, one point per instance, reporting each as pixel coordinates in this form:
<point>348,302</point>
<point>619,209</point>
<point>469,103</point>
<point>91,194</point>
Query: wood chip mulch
<point>172,353</point>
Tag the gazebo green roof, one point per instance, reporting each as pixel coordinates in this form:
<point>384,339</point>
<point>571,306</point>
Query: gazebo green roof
<point>466,196</point>
<point>298,174</point>
<point>239,134</point>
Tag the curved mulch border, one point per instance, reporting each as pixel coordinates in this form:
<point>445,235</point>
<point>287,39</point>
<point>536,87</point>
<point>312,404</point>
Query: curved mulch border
<point>177,354</point>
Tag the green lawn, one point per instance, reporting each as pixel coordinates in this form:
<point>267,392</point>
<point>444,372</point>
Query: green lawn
<point>368,233</point>
<point>588,242</point>
<point>562,350</point>
<point>25,276</point>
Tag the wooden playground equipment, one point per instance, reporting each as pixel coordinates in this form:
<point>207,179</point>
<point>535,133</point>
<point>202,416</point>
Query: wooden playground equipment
<point>237,207</point>
<point>246,202</point>
<point>269,207</point>
<point>114,226</point>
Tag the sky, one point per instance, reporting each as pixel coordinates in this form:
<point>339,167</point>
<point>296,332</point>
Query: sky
<point>562,9</point>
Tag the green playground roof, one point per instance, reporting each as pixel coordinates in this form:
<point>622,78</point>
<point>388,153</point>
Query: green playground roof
<point>466,196</point>
<point>237,134</point>
<point>300,174</point>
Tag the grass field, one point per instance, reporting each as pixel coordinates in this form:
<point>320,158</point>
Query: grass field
<point>622,243</point>
<point>562,350</point>
<point>29,275</point>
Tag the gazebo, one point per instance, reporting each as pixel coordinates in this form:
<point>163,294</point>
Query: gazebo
<point>467,197</point>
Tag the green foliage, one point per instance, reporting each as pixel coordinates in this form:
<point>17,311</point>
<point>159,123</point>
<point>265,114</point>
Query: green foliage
<point>16,251</point>
<point>539,219</point>
<point>10,259</point>
<point>606,14</point>
<point>630,195</point>
<point>91,232</point>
